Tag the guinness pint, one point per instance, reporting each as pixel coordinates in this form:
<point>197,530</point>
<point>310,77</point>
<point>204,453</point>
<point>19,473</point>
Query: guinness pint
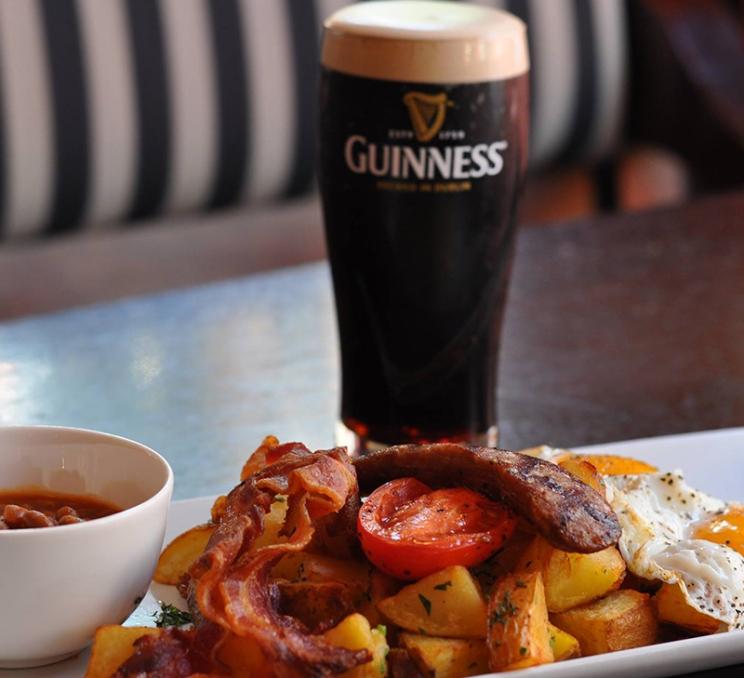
<point>423,146</point>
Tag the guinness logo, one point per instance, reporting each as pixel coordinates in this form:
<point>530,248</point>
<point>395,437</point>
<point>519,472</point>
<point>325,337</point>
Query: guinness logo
<point>427,113</point>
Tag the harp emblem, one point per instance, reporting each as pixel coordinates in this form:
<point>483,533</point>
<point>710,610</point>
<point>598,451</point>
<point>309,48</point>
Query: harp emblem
<point>427,112</point>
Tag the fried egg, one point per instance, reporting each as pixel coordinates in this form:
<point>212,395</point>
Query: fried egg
<point>674,533</point>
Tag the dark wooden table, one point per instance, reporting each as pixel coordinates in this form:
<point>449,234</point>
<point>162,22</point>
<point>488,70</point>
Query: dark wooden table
<point>617,328</point>
<point>626,327</point>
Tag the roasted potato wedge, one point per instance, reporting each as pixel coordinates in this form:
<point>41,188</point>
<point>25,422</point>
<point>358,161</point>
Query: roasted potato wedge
<point>673,608</point>
<point>447,657</point>
<point>621,620</point>
<point>178,556</point>
<point>572,579</point>
<point>112,646</point>
<point>584,471</point>
<point>518,623</point>
<point>244,658</point>
<point>563,644</point>
<point>354,633</point>
<point>447,603</point>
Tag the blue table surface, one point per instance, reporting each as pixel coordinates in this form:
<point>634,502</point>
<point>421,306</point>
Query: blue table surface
<point>200,375</point>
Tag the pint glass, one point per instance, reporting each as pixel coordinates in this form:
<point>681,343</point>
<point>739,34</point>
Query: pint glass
<point>423,145</point>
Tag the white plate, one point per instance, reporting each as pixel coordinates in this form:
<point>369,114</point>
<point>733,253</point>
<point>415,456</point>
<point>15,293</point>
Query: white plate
<point>713,461</point>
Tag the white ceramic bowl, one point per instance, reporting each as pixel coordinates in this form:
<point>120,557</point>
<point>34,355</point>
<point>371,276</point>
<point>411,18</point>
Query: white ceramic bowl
<point>58,584</point>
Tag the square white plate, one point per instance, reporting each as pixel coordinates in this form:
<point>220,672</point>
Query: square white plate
<point>712,461</point>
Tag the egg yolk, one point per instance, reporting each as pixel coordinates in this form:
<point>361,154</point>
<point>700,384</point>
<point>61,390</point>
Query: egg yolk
<point>728,529</point>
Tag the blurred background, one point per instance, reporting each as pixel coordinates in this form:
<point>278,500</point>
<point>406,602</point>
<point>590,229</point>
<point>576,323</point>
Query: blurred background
<point>147,145</point>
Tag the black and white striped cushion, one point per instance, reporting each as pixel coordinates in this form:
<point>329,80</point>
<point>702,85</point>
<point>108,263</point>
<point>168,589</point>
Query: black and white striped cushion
<point>115,110</point>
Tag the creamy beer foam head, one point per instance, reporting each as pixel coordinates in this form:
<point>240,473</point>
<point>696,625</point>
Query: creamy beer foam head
<point>427,42</point>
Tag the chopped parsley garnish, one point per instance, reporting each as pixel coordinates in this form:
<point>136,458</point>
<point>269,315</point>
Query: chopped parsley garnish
<point>381,628</point>
<point>170,615</point>
<point>443,586</point>
<point>426,603</point>
<point>505,610</point>
<point>523,651</point>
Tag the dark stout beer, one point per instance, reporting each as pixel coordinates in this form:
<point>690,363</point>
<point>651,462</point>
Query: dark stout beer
<point>423,145</point>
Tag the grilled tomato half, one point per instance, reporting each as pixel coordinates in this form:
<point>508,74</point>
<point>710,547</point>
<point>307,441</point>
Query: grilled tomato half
<point>409,530</point>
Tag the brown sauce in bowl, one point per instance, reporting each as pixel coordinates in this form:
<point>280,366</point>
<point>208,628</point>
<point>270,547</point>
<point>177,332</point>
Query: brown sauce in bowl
<point>24,508</point>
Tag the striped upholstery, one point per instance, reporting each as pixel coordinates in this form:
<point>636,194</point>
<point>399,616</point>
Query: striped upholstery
<point>116,110</point>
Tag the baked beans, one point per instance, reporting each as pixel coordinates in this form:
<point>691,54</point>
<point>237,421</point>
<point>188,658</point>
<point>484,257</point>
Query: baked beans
<point>32,508</point>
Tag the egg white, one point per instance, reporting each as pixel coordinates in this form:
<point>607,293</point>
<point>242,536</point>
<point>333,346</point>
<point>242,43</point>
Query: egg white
<point>658,513</point>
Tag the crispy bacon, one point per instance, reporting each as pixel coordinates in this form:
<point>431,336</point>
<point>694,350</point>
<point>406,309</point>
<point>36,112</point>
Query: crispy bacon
<point>568,513</point>
<point>168,655</point>
<point>319,605</point>
<point>269,452</point>
<point>232,584</point>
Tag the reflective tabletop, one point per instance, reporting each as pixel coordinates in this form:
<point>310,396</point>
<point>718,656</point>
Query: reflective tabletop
<point>616,328</point>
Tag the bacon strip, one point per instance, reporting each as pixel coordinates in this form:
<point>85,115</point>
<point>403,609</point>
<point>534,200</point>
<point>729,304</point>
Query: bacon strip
<point>167,655</point>
<point>568,513</point>
<point>232,585</point>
